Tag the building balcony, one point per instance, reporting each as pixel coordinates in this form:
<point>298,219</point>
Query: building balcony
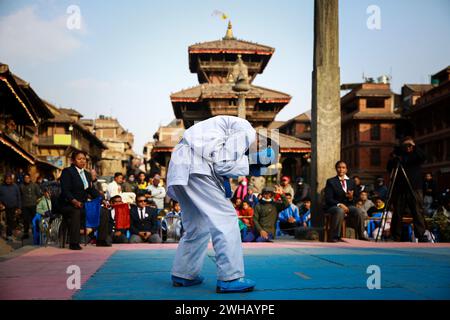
<point>59,140</point>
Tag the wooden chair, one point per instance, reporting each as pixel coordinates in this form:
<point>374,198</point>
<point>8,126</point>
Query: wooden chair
<point>327,227</point>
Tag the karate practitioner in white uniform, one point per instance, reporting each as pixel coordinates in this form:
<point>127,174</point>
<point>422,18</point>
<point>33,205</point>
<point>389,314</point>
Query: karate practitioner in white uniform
<point>210,152</point>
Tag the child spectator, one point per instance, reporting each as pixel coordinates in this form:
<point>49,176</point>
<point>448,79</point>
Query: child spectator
<point>175,216</point>
<point>290,217</point>
<point>251,198</point>
<point>377,213</point>
<point>305,213</point>
<point>246,214</point>
<point>246,223</point>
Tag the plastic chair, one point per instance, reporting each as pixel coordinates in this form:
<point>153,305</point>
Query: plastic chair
<point>92,210</point>
<point>36,230</point>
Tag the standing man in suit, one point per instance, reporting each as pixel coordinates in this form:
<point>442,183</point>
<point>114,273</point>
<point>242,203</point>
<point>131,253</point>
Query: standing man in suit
<point>341,194</point>
<point>76,187</point>
<point>144,224</point>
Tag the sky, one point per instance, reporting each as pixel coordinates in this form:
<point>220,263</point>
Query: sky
<point>125,58</point>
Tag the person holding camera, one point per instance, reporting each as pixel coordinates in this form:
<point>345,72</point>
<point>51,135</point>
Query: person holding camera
<point>407,190</point>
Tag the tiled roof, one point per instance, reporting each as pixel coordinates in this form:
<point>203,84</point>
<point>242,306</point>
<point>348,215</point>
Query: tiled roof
<point>71,112</point>
<point>275,124</point>
<point>289,143</point>
<point>209,90</point>
<point>231,46</point>
<point>419,87</point>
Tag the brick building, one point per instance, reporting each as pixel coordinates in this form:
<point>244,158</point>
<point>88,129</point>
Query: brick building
<point>368,129</point>
<point>21,112</point>
<point>65,133</point>
<point>429,118</point>
<point>119,155</point>
<point>299,126</point>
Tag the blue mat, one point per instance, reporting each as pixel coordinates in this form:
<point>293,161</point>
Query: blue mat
<point>281,273</point>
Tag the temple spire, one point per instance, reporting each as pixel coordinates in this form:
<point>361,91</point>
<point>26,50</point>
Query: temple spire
<point>229,34</point>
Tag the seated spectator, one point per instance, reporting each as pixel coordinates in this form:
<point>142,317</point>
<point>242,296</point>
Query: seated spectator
<point>157,192</point>
<point>96,184</point>
<point>237,205</point>
<point>429,194</point>
<point>144,224</point>
<point>241,190</point>
<point>175,212</point>
<point>117,236</point>
<point>366,202</point>
<point>359,204</point>
<point>305,213</point>
<point>246,214</point>
<point>289,218</point>
<point>303,192</point>
<point>380,189</point>
<point>359,186</point>
<point>246,224</point>
<point>141,182</point>
<point>130,184</point>
<point>44,205</point>
<point>115,188</point>
<point>251,198</point>
<point>286,186</point>
<point>376,212</point>
<point>266,213</point>
<point>340,199</point>
<point>441,220</point>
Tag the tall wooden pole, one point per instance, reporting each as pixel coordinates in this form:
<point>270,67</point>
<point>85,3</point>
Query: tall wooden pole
<point>326,115</point>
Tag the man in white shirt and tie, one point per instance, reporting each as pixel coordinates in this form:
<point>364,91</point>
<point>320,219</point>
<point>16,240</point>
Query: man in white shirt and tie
<point>341,195</point>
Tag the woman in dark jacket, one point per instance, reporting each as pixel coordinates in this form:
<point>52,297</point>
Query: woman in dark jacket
<point>76,187</point>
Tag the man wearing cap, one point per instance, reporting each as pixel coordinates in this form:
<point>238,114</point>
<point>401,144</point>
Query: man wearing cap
<point>286,186</point>
<point>266,213</point>
<point>210,152</point>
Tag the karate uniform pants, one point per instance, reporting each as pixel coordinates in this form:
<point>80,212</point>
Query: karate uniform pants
<point>207,213</point>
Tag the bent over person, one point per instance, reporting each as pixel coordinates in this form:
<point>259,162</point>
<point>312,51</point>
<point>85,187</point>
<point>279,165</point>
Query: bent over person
<point>209,153</point>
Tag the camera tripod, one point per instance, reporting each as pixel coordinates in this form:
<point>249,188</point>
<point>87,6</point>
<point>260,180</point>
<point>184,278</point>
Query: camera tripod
<point>393,180</point>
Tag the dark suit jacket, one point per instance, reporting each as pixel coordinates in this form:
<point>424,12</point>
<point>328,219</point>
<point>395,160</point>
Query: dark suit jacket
<point>72,187</point>
<point>149,223</point>
<point>334,193</point>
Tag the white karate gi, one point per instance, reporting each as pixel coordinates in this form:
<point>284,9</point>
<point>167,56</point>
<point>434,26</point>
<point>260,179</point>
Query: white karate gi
<point>208,151</point>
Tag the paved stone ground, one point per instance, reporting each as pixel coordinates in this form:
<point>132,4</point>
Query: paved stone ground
<point>289,270</point>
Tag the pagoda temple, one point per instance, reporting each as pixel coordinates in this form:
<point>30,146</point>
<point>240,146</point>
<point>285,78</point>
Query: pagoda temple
<point>215,64</point>
<point>226,69</point>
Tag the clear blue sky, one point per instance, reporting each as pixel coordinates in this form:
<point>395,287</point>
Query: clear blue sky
<point>129,56</point>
